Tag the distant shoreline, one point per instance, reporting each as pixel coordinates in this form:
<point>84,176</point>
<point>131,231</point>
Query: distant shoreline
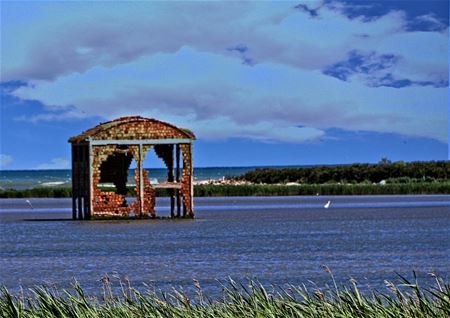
<point>209,167</point>
<point>386,177</point>
<point>229,188</point>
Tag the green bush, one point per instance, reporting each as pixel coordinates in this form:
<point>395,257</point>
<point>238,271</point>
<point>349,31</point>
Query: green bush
<point>397,172</point>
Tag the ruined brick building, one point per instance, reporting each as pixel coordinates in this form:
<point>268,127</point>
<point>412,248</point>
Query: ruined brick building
<point>103,154</point>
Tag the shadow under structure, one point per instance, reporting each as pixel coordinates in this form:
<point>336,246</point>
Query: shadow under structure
<point>101,158</point>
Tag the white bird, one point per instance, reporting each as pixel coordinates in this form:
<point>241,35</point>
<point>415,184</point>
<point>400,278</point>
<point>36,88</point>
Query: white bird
<point>29,203</point>
<point>327,205</point>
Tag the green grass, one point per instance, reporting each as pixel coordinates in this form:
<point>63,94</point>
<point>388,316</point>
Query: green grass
<point>250,299</point>
<point>264,190</point>
<point>321,189</point>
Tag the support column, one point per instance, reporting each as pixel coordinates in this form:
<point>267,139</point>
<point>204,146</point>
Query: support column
<point>187,179</point>
<point>177,178</point>
<point>170,178</point>
<point>87,214</point>
<point>90,181</point>
<point>184,197</point>
<point>74,207</point>
<point>80,208</point>
<point>74,181</point>
<point>141,184</point>
<point>172,203</point>
<point>191,153</point>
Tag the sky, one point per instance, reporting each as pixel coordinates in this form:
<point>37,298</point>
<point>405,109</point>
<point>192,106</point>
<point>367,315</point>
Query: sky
<point>259,83</point>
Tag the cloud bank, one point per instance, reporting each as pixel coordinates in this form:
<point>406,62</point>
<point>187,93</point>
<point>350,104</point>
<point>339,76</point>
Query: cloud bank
<point>276,72</point>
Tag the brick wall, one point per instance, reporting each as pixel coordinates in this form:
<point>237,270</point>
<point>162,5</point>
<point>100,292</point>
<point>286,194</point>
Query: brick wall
<point>111,162</point>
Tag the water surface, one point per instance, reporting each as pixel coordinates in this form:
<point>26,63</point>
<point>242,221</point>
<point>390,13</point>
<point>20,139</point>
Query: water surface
<point>28,179</point>
<point>278,240</point>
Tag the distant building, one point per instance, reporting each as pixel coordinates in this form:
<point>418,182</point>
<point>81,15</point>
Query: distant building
<point>103,154</point>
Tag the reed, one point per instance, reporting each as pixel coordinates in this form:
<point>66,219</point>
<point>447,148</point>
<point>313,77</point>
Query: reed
<point>216,190</point>
<point>320,189</point>
<point>250,299</point>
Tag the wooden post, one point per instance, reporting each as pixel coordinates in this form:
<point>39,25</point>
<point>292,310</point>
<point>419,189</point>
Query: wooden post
<point>172,203</point>
<point>74,183</point>
<point>90,181</point>
<point>87,214</point>
<point>80,208</point>
<point>177,176</point>
<point>74,207</point>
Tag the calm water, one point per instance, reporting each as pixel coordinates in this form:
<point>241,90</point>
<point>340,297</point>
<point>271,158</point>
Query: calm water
<point>279,240</point>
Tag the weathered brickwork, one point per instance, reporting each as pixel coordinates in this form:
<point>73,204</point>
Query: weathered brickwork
<point>109,163</point>
<point>165,152</point>
<point>134,128</point>
<point>148,197</point>
<point>186,179</point>
<point>105,202</point>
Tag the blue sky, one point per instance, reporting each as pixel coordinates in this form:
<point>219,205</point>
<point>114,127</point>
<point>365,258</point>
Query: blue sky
<point>260,83</point>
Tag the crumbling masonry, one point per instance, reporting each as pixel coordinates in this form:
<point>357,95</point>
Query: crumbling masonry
<point>103,154</point>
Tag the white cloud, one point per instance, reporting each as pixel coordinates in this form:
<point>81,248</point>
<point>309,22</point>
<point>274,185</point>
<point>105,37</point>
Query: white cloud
<point>272,32</point>
<point>56,163</point>
<point>218,97</point>
<point>431,20</point>
<point>164,61</point>
<point>5,160</point>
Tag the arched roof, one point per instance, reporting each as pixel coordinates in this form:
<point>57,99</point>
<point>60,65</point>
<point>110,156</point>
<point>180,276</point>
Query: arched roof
<point>133,128</point>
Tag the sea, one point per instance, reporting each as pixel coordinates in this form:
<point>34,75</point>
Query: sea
<point>278,241</point>
<point>28,179</point>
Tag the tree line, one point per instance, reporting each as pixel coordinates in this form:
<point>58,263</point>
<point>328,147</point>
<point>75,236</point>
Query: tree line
<point>397,172</point>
